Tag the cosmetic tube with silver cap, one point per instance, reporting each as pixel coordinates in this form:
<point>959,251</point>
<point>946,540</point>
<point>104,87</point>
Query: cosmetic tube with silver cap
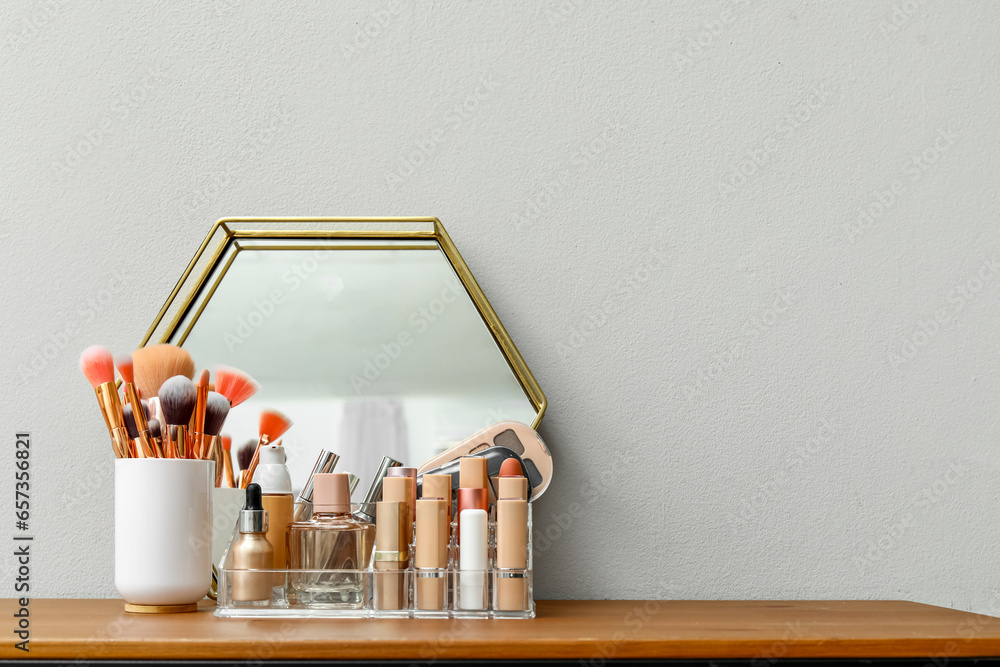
<point>325,463</point>
<point>367,509</point>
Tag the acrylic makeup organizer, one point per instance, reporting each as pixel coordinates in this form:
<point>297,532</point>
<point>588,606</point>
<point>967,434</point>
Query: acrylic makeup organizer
<point>364,588</point>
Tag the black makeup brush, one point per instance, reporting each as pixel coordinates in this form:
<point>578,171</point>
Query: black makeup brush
<point>155,430</point>
<point>130,425</point>
<point>244,456</point>
<point>216,409</point>
<point>147,409</point>
<point>177,398</point>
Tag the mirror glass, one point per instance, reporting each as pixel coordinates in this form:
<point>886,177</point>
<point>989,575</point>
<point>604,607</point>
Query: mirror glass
<point>371,348</point>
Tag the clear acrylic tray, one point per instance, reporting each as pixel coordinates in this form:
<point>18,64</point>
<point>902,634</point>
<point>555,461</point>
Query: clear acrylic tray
<point>378,593</point>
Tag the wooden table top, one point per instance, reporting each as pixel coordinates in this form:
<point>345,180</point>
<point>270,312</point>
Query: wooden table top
<point>100,629</point>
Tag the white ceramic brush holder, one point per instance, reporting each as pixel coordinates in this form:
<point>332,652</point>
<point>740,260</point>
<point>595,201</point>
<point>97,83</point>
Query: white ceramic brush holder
<point>163,533</point>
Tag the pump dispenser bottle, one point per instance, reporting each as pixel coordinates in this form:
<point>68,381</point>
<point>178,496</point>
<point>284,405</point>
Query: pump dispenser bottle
<point>279,503</point>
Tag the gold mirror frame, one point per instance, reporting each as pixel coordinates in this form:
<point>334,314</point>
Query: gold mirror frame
<point>224,240</point>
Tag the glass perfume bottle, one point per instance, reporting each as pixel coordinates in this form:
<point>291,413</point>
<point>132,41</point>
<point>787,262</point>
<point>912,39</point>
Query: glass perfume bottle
<point>332,541</point>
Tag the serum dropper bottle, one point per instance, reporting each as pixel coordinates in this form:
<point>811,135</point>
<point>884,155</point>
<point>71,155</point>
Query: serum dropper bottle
<point>252,551</point>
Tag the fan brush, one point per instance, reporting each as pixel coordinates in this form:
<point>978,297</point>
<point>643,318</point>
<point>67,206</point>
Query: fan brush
<point>234,384</point>
<point>272,425</point>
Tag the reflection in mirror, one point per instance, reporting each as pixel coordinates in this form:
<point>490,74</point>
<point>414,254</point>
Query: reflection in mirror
<point>370,348</point>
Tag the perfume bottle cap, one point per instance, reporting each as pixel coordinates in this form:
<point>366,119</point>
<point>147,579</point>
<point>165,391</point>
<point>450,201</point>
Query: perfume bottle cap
<point>331,493</point>
<point>253,517</point>
<point>271,473</point>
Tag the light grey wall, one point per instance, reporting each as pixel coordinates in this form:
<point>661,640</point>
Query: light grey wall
<point>756,391</point>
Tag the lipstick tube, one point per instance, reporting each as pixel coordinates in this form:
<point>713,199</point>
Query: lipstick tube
<point>431,559</point>
<point>469,499</point>
<point>400,471</point>
<point>392,555</point>
<point>512,487</point>
<point>439,486</point>
<point>472,473</point>
<point>512,554</point>
<point>400,490</point>
<point>473,552</point>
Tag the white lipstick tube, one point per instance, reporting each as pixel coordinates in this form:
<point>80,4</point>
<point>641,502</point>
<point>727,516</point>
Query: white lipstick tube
<point>472,559</point>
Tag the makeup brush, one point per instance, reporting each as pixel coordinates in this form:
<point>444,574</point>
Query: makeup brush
<point>198,421</point>
<point>272,425</point>
<point>244,455</point>
<point>177,398</point>
<point>98,366</point>
<point>128,417</point>
<point>155,433</point>
<point>227,461</point>
<point>136,412</point>
<point>154,364</point>
<point>147,409</point>
<point>234,384</point>
<point>216,409</point>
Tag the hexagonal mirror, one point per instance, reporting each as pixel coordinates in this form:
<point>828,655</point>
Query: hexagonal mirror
<point>370,334</point>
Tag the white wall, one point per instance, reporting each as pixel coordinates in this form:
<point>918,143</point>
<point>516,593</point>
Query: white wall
<point>736,408</point>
